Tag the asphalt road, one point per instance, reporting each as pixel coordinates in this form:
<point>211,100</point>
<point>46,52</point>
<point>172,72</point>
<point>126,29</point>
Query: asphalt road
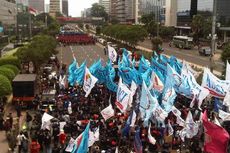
<point>90,53</point>
<point>191,56</point>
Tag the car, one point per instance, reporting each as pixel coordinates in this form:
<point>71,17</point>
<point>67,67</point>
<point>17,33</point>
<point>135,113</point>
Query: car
<point>205,50</point>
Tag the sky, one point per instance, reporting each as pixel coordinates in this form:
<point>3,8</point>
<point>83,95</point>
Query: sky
<point>76,6</point>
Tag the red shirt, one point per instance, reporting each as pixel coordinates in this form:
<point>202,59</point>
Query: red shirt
<point>35,147</point>
<point>62,138</point>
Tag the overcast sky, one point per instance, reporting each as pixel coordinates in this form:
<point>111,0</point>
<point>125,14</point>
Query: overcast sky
<point>76,6</point>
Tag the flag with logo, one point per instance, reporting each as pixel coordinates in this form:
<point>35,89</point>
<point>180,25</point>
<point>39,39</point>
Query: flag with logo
<point>148,104</point>
<point>129,123</point>
<point>112,54</point>
<point>89,82</point>
<point>98,71</point>
<point>107,112</point>
<point>224,115</point>
<point>79,74</point>
<point>216,137</point>
<point>143,65</point>
<point>123,94</point>
<point>217,88</point>
<point>71,145</point>
<point>93,136</point>
<point>191,127</point>
<point>84,143</point>
<point>156,83</point>
<point>175,111</point>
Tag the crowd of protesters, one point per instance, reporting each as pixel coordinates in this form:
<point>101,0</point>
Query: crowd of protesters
<point>73,109</point>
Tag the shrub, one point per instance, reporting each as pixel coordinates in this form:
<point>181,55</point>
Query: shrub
<point>10,60</point>
<point>5,86</point>
<point>7,73</point>
<point>12,67</point>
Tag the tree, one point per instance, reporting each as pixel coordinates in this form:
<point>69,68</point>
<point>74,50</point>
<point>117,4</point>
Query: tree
<point>99,11</point>
<point>5,86</point>
<point>12,67</point>
<point>156,43</point>
<point>38,51</point>
<point>98,30</point>
<point>167,32</point>
<point>10,60</point>
<point>201,27</point>
<point>149,23</point>
<point>225,55</point>
<point>7,73</point>
<point>147,18</point>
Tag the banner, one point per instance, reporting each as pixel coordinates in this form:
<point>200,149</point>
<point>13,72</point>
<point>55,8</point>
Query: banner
<point>93,137</point>
<point>217,88</point>
<point>123,94</point>
<point>89,82</point>
<point>112,54</point>
<point>107,112</point>
<point>224,115</point>
<point>46,121</point>
<point>156,83</point>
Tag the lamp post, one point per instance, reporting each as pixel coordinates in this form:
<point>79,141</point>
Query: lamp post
<point>213,35</point>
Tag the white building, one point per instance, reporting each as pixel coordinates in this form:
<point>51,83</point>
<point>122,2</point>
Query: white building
<point>171,13</point>
<point>55,6</point>
<point>106,4</point>
<point>7,12</point>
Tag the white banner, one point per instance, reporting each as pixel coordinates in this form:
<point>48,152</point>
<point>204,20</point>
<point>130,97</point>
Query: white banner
<point>107,112</point>
<point>70,146</point>
<point>89,82</point>
<point>217,87</point>
<point>123,94</point>
<point>112,54</point>
<point>175,111</point>
<point>156,83</point>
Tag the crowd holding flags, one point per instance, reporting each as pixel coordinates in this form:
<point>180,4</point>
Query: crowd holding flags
<point>158,83</point>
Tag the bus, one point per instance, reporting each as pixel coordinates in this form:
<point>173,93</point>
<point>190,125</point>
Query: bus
<point>183,42</point>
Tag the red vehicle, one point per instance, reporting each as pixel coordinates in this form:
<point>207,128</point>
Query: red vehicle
<point>75,39</point>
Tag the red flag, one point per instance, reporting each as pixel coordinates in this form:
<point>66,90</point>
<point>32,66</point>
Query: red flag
<point>216,137</point>
<point>33,11</point>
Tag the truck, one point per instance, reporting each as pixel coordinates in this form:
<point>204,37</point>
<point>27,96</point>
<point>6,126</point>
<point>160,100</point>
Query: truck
<point>24,88</point>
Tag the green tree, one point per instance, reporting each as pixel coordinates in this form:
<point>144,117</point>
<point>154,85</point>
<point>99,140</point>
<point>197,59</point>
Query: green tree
<point>7,73</point>
<point>5,86</point>
<point>99,11</point>
<point>149,23</point>
<point>12,67</point>
<point>167,32</point>
<point>38,51</point>
<point>10,60</point>
<point>98,30</point>
<point>201,27</point>
<point>225,55</point>
<point>147,18</point>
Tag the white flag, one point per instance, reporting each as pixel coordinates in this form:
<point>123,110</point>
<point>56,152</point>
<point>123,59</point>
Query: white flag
<point>89,82</point>
<point>116,151</point>
<point>70,146</point>
<point>61,125</point>
<point>112,54</point>
<point>191,126</point>
<point>46,121</point>
<point>134,116</point>
<point>182,134</point>
<point>62,81</point>
<point>156,83</point>
<point>152,140</point>
<point>107,112</point>
<point>93,137</point>
<point>160,114</point>
<point>123,94</point>
<point>175,111</point>
<point>227,76</point>
<point>170,128</point>
<point>224,115</point>
<point>180,121</point>
<point>133,89</point>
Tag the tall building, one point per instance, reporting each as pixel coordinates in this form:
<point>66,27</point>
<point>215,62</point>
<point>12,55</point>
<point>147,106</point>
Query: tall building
<point>120,11</point>
<point>86,13</point>
<point>171,13</point>
<point>7,12</point>
<point>65,7</point>
<point>38,5</point>
<point>47,8</point>
<point>112,9</point>
<point>153,6</point>
<point>106,4</point>
<point>55,7</point>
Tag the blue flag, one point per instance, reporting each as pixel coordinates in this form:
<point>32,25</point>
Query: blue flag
<point>110,75</point>
<point>98,71</point>
<point>83,148</point>
<point>217,104</point>
<point>79,73</point>
<point>147,76</point>
<point>143,65</point>
<point>126,129</point>
<point>173,61</point>
<point>71,69</point>
<point>137,142</point>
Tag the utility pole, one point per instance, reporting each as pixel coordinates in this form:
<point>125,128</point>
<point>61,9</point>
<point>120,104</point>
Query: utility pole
<point>213,35</point>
